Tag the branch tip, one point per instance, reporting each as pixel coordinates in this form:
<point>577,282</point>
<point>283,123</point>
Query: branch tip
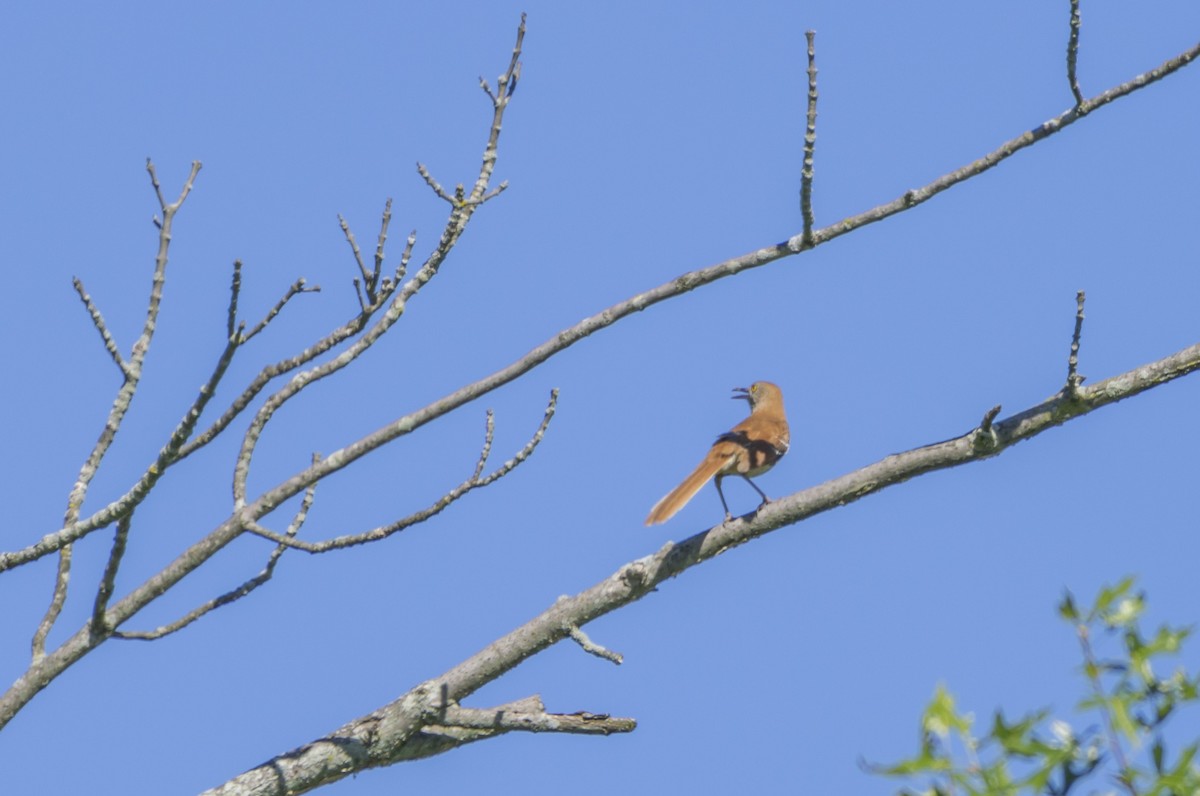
<point>810,142</point>
<point>1073,57</point>
<point>1074,380</point>
<point>591,647</point>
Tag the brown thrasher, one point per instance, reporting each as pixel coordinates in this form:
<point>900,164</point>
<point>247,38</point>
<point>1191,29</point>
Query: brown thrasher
<point>750,448</point>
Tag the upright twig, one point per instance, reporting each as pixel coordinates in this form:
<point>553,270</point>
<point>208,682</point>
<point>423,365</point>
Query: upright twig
<point>367,282</point>
<point>1073,377</point>
<point>108,580</point>
<point>235,291</point>
<point>381,240</point>
<point>1073,55</point>
<point>810,143</point>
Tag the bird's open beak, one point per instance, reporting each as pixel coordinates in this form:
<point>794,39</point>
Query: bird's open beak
<point>741,392</point>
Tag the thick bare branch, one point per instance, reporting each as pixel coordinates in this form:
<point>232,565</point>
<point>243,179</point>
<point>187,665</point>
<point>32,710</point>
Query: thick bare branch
<point>381,738</point>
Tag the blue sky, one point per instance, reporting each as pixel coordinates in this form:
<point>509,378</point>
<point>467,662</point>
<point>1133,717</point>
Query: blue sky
<point>646,140</point>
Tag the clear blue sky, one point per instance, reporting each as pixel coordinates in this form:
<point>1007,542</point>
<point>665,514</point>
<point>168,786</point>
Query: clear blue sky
<point>646,140</point>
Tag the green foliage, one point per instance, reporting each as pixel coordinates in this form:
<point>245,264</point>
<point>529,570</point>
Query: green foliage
<point>1040,755</point>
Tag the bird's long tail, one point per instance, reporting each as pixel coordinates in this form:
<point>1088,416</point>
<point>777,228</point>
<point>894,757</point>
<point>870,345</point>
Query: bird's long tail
<point>678,497</point>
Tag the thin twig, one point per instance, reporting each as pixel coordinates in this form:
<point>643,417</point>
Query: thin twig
<point>592,648</point>
<point>106,337</point>
<point>235,291</point>
<point>379,244</point>
<point>985,436</point>
<point>810,141</point>
<point>368,283</point>
<point>234,594</point>
<point>469,485</point>
<point>299,286</point>
<point>1073,55</point>
<point>402,268</point>
<point>108,581</point>
<point>1073,377</point>
<point>434,184</point>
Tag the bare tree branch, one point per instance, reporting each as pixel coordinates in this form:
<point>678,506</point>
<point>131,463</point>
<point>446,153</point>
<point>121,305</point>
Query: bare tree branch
<point>1073,377</point>
<point>358,259</point>
<point>1073,55</point>
<point>581,723</point>
<point>401,730</point>
<point>592,648</point>
<point>106,337</point>
<point>104,591</point>
<point>53,541</point>
<point>810,141</point>
<point>472,483</point>
<point>234,594</point>
<point>380,241</point>
<point>132,370</point>
<point>380,738</point>
<point>299,286</point>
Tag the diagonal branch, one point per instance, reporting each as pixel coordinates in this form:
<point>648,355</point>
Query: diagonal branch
<point>110,345</point>
<point>382,737</point>
<point>299,286</point>
<point>132,369</point>
<point>564,339</point>
<point>232,595</point>
<point>469,485</point>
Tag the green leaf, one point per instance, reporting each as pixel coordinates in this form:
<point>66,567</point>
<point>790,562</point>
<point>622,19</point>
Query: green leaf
<point>1067,608</point>
<point>1109,594</point>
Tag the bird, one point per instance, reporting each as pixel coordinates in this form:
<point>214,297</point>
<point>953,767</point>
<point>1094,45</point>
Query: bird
<point>750,448</point>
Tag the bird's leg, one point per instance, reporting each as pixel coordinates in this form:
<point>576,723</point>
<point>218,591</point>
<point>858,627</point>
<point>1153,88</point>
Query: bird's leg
<point>763,495</point>
<point>724,505</point>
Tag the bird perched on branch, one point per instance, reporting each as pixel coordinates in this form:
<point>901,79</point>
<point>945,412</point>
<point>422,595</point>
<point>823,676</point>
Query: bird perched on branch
<point>750,448</point>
